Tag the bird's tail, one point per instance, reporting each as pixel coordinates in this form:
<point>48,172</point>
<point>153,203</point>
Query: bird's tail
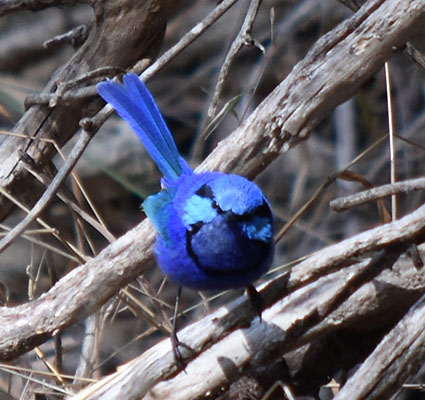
<point>134,103</point>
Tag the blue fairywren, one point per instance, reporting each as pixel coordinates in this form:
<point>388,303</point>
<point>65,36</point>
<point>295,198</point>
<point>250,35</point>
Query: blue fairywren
<point>214,230</point>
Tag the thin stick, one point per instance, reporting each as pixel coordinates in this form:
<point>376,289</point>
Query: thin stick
<point>48,229</point>
<point>161,62</point>
<point>343,203</point>
<point>321,189</point>
<point>166,58</point>
<point>187,39</point>
<point>391,133</point>
<point>242,39</point>
<point>48,195</point>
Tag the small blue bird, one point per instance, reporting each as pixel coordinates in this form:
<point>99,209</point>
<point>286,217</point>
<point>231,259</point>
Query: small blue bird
<point>214,230</point>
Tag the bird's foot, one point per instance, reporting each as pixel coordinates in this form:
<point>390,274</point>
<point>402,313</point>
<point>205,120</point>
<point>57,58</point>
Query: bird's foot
<point>175,343</point>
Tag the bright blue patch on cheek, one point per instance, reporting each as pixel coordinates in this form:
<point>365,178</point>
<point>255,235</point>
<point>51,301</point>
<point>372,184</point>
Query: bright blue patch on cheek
<point>198,209</point>
<point>258,228</point>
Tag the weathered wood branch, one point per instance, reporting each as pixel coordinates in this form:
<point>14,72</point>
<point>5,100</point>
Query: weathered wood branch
<point>398,357</point>
<point>101,271</point>
<point>331,72</point>
<point>134,30</point>
<point>13,6</point>
<point>373,194</point>
<point>308,305</point>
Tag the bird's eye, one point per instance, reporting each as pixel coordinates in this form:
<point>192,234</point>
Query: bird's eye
<point>205,191</point>
<point>263,211</point>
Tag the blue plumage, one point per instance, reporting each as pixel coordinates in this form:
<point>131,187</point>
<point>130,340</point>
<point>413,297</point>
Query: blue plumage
<point>214,230</point>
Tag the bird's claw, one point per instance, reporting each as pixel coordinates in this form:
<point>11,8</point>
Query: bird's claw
<point>175,343</point>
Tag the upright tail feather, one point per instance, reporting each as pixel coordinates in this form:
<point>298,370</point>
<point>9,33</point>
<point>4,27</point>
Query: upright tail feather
<point>134,103</point>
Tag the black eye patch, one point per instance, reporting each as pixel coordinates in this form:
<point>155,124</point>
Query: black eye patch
<point>205,191</point>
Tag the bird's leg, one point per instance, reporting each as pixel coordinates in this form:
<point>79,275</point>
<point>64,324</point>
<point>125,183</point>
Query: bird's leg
<point>175,342</point>
<point>256,300</point>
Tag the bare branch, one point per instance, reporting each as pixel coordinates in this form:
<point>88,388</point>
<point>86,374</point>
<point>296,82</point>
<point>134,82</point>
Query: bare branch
<point>96,281</point>
<point>78,294</point>
<point>187,39</point>
<point>51,191</point>
<point>319,298</point>
<point>135,35</point>
<point>317,84</point>
<point>148,73</point>
<point>397,357</point>
<point>305,308</point>
<point>242,39</point>
<point>367,196</point>
<point>12,6</point>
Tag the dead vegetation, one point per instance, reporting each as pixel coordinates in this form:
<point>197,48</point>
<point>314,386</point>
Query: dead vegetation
<point>292,93</point>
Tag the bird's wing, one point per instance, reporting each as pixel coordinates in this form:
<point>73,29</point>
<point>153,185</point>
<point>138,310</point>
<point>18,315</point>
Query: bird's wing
<point>156,208</point>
